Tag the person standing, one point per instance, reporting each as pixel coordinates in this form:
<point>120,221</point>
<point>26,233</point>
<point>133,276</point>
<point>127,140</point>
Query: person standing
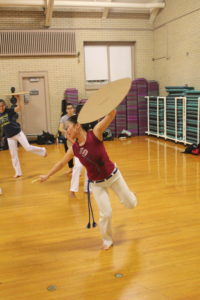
<point>63,107</point>
<point>63,130</point>
<point>101,171</point>
<point>75,180</point>
<point>14,134</point>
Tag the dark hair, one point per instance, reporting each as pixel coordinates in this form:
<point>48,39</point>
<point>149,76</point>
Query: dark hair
<point>2,101</point>
<point>86,126</point>
<point>68,104</point>
<point>74,119</point>
<point>78,108</point>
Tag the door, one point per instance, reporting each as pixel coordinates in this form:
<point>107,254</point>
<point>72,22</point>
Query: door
<point>35,117</point>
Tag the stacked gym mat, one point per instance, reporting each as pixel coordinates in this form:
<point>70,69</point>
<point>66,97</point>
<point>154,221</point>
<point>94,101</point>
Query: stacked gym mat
<point>176,120</point>
<point>121,118</point>
<point>153,92</point>
<point>71,94</point>
<point>132,112</point>
<point>192,123</point>
<point>156,122</point>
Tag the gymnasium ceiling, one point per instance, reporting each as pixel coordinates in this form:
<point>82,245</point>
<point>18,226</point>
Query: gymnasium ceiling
<point>105,9</point>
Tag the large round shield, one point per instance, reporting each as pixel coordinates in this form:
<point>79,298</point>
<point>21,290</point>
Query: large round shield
<point>103,101</point>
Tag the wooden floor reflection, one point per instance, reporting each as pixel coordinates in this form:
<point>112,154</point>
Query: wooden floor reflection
<point>44,241</point>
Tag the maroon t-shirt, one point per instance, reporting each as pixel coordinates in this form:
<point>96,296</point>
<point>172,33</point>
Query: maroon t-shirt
<point>94,157</point>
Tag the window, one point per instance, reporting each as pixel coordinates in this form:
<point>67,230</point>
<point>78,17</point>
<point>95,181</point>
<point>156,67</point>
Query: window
<point>107,62</point>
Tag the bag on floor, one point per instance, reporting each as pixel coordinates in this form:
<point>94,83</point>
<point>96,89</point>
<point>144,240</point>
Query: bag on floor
<point>192,149</point>
<point>107,135</point>
<point>45,138</point>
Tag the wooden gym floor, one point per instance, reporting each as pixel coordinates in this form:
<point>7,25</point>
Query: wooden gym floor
<point>46,253</point>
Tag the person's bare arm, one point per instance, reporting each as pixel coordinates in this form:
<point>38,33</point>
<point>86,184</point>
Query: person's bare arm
<point>61,128</point>
<point>20,105</point>
<point>103,124</point>
<point>59,165</point>
<point>67,136</point>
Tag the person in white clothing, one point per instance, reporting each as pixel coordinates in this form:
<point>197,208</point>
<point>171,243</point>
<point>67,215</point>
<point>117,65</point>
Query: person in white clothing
<point>76,173</point>
<point>62,129</point>
<point>101,171</point>
<point>14,134</point>
<point>75,180</point>
<point>78,167</point>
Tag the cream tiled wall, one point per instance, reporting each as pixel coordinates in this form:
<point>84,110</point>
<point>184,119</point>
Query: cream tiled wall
<point>177,44</point>
<point>68,72</point>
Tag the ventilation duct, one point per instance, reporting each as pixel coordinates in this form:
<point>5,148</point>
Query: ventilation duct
<point>37,42</point>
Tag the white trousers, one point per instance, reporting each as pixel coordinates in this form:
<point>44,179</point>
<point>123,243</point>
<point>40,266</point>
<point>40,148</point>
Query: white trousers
<point>76,173</point>
<point>100,192</point>
<point>12,144</point>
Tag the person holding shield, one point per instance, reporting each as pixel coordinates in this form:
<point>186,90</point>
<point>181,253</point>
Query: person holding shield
<point>14,134</point>
<point>101,171</point>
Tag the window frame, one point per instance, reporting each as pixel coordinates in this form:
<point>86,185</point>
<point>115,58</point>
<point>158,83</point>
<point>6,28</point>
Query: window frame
<point>95,86</point>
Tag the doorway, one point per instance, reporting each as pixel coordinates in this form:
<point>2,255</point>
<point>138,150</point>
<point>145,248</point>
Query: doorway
<point>36,113</point>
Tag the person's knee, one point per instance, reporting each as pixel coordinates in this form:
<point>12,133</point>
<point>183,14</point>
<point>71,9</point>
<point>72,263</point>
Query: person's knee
<point>77,170</point>
<point>13,154</point>
<point>78,167</point>
<point>132,201</point>
<point>106,214</point>
<point>28,148</point>
<point>15,160</point>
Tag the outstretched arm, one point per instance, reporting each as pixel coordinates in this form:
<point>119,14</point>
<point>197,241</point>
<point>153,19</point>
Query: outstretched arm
<point>19,104</point>
<point>62,129</point>
<point>59,165</point>
<point>103,124</point>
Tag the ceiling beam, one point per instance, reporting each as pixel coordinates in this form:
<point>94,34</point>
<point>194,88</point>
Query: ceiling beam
<point>16,3</point>
<point>154,14</point>
<point>106,11</point>
<point>45,8</point>
<point>49,13</point>
<point>66,3</point>
<point>103,4</point>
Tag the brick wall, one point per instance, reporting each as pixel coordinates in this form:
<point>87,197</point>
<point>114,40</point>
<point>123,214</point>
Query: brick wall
<point>177,44</point>
<point>67,72</point>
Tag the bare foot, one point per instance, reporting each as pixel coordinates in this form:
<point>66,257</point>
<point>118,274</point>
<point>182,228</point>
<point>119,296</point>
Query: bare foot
<point>72,195</point>
<point>1,192</point>
<point>17,176</point>
<point>107,247</point>
<point>45,154</point>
